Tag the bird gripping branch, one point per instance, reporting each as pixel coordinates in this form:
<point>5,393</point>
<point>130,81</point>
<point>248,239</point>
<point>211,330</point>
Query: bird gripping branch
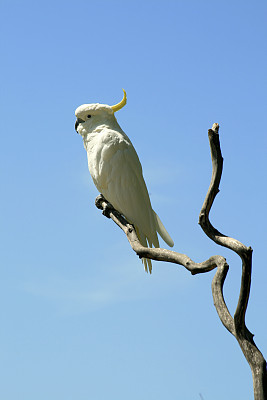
<point>117,172</point>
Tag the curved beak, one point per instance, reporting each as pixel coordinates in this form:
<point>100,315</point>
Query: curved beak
<point>77,122</point>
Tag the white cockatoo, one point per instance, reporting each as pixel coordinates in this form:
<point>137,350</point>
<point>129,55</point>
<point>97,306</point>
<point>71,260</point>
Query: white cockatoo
<point>117,172</point>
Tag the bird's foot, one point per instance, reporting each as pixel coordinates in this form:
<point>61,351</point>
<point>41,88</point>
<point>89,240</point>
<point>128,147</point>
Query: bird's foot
<point>104,205</point>
<point>99,201</point>
<point>106,209</point>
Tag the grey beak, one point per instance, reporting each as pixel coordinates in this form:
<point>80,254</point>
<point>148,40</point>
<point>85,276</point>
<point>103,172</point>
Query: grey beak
<point>77,122</point>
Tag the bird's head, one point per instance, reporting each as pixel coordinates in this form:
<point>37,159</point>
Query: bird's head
<point>89,116</point>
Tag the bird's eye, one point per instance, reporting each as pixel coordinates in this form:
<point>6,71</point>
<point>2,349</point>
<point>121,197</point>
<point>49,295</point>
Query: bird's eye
<point>89,116</point>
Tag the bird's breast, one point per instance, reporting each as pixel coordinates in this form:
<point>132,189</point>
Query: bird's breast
<point>101,148</point>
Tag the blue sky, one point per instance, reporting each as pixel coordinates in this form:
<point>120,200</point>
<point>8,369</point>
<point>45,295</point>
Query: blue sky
<point>80,319</point>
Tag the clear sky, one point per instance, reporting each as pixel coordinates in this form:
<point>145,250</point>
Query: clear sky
<point>80,319</point>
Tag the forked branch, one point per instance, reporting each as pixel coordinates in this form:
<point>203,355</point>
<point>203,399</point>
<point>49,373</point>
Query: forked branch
<point>235,325</point>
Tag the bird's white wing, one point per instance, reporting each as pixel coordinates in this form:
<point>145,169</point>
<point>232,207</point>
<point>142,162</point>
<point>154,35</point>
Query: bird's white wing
<point>121,181</point>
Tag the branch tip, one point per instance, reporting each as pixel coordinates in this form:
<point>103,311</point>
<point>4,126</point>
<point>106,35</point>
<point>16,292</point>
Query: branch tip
<point>215,127</point>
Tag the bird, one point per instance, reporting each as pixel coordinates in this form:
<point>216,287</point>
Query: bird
<point>117,172</point>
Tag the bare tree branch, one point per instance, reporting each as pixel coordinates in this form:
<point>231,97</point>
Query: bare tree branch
<point>217,167</point>
<point>218,298</point>
<point>236,326</point>
<point>157,254</point>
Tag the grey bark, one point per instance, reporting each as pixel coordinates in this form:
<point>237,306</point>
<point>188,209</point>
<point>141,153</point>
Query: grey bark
<point>235,325</point>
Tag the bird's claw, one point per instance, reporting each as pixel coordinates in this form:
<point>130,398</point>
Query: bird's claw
<point>99,201</point>
<point>106,209</point>
<point>104,205</point>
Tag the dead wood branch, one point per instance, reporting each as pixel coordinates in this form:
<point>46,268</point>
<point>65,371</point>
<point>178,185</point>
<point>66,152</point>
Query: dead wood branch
<point>235,325</point>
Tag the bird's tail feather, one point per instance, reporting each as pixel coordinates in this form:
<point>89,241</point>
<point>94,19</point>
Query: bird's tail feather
<point>143,240</point>
<point>146,261</point>
<point>162,231</point>
<point>147,264</point>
